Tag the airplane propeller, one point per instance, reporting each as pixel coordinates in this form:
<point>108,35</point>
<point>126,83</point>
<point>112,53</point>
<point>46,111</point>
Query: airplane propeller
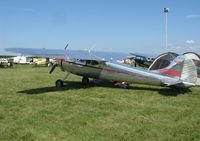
<point>58,64</point>
<point>53,68</point>
<point>89,50</point>
<point>66,50</point>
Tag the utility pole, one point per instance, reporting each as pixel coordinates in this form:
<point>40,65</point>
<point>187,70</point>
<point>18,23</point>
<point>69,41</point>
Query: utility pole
<point>166,10</point>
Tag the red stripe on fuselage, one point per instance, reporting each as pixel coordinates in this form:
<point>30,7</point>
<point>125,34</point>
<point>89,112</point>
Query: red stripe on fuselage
<point>62,59</point>
<point>59,59</point>
<point>117,71</point>
<point>170,72</point>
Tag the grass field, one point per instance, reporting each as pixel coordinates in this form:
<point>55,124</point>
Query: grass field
<point>31,108</point>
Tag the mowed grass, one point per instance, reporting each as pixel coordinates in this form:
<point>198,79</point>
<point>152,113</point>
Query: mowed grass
<point>31,108</point>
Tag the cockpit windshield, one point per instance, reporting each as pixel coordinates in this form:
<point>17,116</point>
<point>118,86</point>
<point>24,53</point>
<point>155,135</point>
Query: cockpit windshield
<point>82,62</point>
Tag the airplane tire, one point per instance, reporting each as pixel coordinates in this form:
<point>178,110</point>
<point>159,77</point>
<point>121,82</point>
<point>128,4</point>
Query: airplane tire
<point>128,86</point>
<point>85,81</point>
<point>59,83</point>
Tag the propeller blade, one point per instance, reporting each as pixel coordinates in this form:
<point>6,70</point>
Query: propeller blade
<point>66,46</point>
<point>52,68</point>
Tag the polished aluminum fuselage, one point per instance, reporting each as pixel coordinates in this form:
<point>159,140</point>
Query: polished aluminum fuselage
<point>116,72</point>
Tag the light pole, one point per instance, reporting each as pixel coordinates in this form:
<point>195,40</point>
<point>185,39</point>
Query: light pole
<point>166,10</point>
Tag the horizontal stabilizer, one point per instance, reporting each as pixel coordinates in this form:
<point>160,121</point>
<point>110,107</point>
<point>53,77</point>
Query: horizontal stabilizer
<point>180,84</point>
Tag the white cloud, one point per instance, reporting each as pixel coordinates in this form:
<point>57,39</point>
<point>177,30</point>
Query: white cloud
<point>190,42</point>
<point>174,47</point>
<point>193,16</point>
<point>188,45</point>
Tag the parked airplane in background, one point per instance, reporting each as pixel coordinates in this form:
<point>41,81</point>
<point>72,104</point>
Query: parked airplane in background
<point>22,59</point>
<point>137,60</point>
<point>6,61</point>
<point>180,73</point>
<point>40,61</point>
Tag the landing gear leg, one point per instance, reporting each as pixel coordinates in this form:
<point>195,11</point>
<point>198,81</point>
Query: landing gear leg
<point>85,80</point>
<point>60,83</point>
<point>66,76</point>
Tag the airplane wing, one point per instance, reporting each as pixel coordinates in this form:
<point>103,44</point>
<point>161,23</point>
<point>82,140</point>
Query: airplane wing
<point>36,52</point>
<point>82,54</point>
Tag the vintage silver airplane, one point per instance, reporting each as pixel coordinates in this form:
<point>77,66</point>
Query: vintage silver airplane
<point>180,73</point>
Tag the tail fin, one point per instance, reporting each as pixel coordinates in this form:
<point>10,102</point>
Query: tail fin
<point>182,68</point>
<point>189,72</point>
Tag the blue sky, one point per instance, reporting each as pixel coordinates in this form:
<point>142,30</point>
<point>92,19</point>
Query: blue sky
<point>107,25</point>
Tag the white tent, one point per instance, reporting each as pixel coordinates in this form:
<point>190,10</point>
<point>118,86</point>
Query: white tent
<point>163,60</point>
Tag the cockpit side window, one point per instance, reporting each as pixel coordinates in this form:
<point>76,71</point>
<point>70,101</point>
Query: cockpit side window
<point>92,62</point>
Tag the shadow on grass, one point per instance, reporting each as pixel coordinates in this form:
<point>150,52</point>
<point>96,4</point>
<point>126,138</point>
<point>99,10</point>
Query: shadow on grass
<point>165,91</point>
<point>71,85</point>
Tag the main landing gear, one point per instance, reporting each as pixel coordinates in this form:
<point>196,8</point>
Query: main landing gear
<point>60,83</point>
<point>85,80</point>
